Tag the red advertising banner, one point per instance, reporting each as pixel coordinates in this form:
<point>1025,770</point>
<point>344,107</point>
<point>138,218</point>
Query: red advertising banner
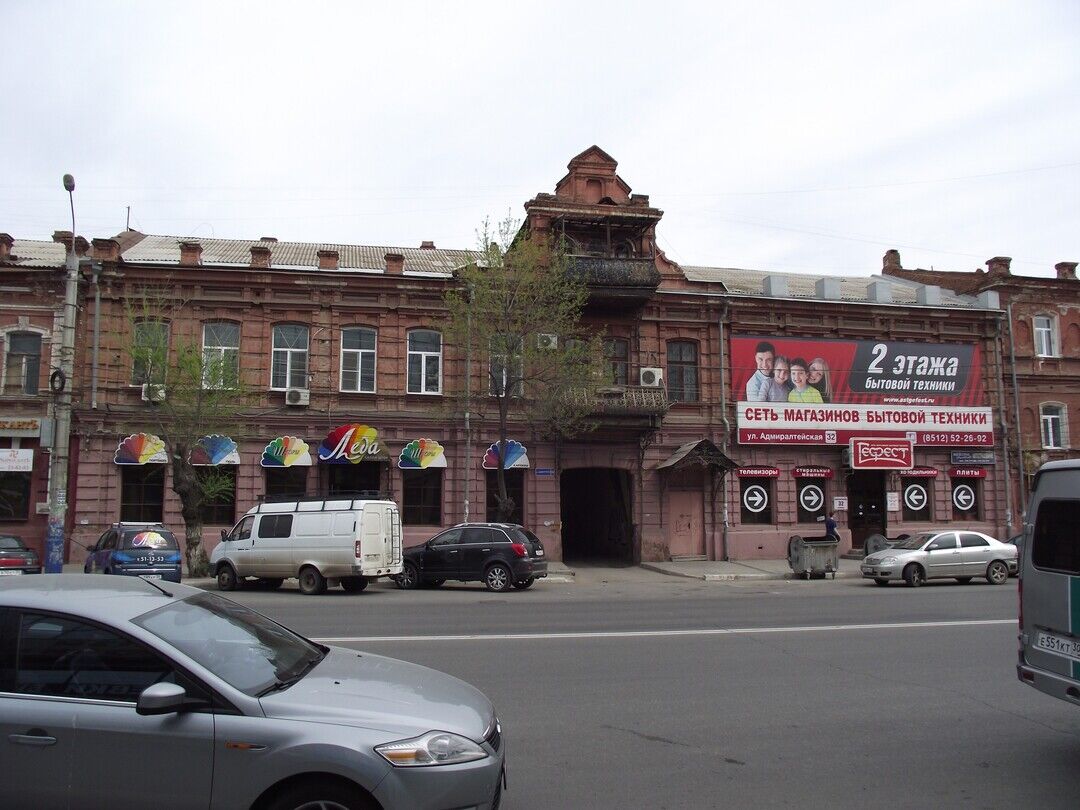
<point>811,472</point>
<point>967,472</point>
<point>882,454</point>
<point>758,472</point>
<point>920,472</point>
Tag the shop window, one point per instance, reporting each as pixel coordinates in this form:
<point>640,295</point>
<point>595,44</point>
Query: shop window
<point>756,500</point>
<point>1046,339</point>
<point>142,493</point>
<point>617,357</point>
<point>967,499</point>
<point>425,362</point>
<point>916,500</point>
<point>149,352</point>
<point>1052,416</point>
<point>682,372</point>
<point>515,489</point>
<point>14,495</point>
<point>351,479</point>
<point>219,510</point>
<point>22,362</point>
<point>221,355</point>
<point>289,361</point>
<point>358,360</point>
<point>421,497</point>
<point>811,495</point>
<point>283,483</point>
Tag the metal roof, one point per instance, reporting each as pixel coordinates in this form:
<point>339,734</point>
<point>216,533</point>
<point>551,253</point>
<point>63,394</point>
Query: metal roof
<point>30,253</point>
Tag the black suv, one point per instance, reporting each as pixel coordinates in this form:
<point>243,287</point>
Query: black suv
<point>502,555</point>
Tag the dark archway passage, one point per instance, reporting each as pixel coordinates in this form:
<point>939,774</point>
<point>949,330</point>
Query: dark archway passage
<point>597,515</point>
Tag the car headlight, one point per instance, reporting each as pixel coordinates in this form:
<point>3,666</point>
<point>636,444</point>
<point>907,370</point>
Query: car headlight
<point>887,561</point>
<point>433,748</point>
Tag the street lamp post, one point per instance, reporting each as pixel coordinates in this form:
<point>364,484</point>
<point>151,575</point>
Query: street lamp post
<point>60,383</point>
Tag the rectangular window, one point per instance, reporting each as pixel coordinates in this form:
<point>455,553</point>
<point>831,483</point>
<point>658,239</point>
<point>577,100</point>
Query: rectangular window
<point>811,495</point>
<point>1052,433</point>
<point>1045,344</point>
<point>682,371</point>
<point>14,495</point>
<point>421,497</point>
<point>617,357</point>
<point>221,355</point>
<point>506,368</point>
<point>142,492</point>
<point>358,360</point>
<point>515,489</point>
<point>1055,542</point>
<point>23,363</point>
<point>425,362</point>
<point>149,352</point>
<point>275,525</point>
<point>755,495</point>
<point>290,356</point>
<point>917,497</point>
<point>221,509</point>
<point>285,483</point>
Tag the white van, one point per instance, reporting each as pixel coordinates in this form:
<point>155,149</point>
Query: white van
<point>320,542</point>
<point>1050,584</point>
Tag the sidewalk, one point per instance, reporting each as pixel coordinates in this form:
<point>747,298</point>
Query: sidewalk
<point>717,571</point>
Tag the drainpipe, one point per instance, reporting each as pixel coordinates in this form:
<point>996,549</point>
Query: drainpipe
<point>1004,430</point>
<point>468,400</point>
<point>1016,407</point>
<point>723,444</point>
<point>95,273</point>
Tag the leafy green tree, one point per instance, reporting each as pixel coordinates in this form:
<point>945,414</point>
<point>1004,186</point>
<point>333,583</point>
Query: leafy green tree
<point>516,313</point>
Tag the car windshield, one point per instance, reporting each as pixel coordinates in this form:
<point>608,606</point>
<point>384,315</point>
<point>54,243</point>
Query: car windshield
<point>913,542</point>
<point>11,544</point>
<point>242,647</point>
<point>149,539</point>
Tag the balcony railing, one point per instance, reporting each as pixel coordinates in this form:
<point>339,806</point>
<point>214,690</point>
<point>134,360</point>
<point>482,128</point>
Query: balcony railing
<point>623,400</point>
<point>610,280</point>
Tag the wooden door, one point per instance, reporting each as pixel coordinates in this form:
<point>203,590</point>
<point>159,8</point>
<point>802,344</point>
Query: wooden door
<point>686,524</point>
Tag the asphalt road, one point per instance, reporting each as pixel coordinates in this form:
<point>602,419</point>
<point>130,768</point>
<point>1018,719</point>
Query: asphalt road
<point>631,689</point>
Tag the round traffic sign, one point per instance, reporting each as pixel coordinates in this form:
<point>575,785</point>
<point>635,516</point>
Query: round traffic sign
<point>915,497</point>
<point>755,498</point>
<point>811,497</point>
<point>963,497</point>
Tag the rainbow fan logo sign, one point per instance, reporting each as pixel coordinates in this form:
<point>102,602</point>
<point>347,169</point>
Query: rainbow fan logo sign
<point>141,448</point>
<point>349,444</point>
<point>422,454</point>
<point>286,451</point>
<point>515,459</point>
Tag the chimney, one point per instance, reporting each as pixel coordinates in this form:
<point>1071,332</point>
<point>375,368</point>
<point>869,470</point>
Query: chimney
<point>268,239</point>
<point>999,266</point>
<point>775,286</point>
<point>63,238</point>
<point>890,262</point>
<point>395,263</point>
<point>1065,270</point>
<point>328,259</point>
<point>260,256</point>
<point>426,245</point>
<point>81,246</point>
<point>190,254</point>
<point>5,246</point>
<point>107,250</point>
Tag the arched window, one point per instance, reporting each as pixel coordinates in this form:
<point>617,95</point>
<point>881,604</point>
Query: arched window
<point>149,352</point>
<point>289,361</point>
<point>1055,430</point>
<point>682,371</point>
<point>425,362</point>
<point>221,354</point>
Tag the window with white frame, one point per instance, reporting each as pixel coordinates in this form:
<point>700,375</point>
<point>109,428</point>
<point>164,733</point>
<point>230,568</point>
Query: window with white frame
<point>290,357</point>
<point>149,352</point>
<point>221,354</point>
<point>505,372</point>
<point>425,362</point>
<point>22,362</point>
<point>1045,336</point>
<point>1053,425</point>
<point>358,360</point>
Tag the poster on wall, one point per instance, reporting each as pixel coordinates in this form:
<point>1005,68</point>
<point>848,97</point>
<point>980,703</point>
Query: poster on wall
<point>829,391</point>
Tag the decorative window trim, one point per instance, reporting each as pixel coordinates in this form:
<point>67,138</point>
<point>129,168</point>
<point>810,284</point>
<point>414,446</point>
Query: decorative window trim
<point>1052,330</point>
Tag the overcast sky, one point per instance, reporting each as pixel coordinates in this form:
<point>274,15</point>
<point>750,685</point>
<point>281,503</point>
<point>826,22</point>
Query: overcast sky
<point>806,137</point>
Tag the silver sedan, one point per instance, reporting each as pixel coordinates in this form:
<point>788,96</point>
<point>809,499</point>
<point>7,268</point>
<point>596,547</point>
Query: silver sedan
<point>942,554</point>
<point>126,693</point>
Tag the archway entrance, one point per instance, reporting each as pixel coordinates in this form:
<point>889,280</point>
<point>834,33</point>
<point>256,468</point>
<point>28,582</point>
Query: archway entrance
<point>597,515</point>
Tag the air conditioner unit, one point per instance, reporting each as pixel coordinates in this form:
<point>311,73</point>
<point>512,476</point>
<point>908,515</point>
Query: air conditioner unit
<point>652,377</point>
<point>547,341</point>
<point>153,392</point>
<point>297,397</point>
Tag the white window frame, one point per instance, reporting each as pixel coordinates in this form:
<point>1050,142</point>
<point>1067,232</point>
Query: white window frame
<point>155,379</point>
<point>1046,337</point>
<point>1046,421</point>
<point>424,358</point>
<point>359,355</point>
<point>508,366</point>
<point>215,354</point>
<point>289,353</point>
<point>5,335</point>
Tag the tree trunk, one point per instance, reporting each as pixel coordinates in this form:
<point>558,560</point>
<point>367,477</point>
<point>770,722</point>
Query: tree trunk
<point>186,486</point>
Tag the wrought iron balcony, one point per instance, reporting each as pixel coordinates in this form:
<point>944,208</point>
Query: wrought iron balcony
<point>631,281</point>
<point>623,400</point>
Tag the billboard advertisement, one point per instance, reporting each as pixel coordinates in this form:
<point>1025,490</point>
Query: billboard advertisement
<point>829,391</point>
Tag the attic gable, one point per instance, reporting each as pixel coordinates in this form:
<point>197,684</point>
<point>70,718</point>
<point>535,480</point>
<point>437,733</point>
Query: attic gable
<point>591,178</point>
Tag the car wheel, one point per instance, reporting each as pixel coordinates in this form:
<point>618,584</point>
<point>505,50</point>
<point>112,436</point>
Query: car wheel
<point>963,580</point>
<point>312,582</point>
<point>226,578</point>
<point>524,584</point>
<point>914,575</point>
<point>354,584</point>
<point>269,583</point>
<point>997,573</point>
<point>435,583</point>
<point>322,794</point>
<point>409,578</point>
<point>497,578</point>
<point>880,581</point>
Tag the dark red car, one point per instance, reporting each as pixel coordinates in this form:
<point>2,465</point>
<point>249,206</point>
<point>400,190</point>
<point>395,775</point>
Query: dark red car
<point>15,558</point>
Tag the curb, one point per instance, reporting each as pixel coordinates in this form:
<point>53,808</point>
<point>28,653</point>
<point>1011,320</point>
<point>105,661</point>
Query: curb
<point>732,577</point>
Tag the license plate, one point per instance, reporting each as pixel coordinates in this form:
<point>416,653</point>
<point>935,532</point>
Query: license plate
<point>10,573</point>
<point>867,570</point>
<point>150,576</point>
<point>540,553</point>
<point>1059,645</point>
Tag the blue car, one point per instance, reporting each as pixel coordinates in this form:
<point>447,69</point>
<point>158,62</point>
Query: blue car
<point>136,549</point>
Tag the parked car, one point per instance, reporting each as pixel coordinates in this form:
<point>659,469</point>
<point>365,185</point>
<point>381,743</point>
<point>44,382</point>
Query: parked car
<point>233,709</point>
<point>136,549</point>
<point>16,558</point>
<point>941,554</point>
<point>501,555</point>
<point>1018,541</point>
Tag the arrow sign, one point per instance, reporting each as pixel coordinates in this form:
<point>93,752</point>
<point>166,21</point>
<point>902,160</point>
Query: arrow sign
<point>755,498</point>
<point>915,497</point>
<point>963,497</point>
<point>811,498</point>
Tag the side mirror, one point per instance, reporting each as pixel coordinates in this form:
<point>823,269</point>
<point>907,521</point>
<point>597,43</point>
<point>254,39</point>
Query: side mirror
<point>161,698</point>
<point>224,535</point>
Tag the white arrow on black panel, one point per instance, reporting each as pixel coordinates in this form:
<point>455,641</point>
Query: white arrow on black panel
<point>963,497</point>
<point>755,499</point>
<point>915,497</point>
<point>811,498</point>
